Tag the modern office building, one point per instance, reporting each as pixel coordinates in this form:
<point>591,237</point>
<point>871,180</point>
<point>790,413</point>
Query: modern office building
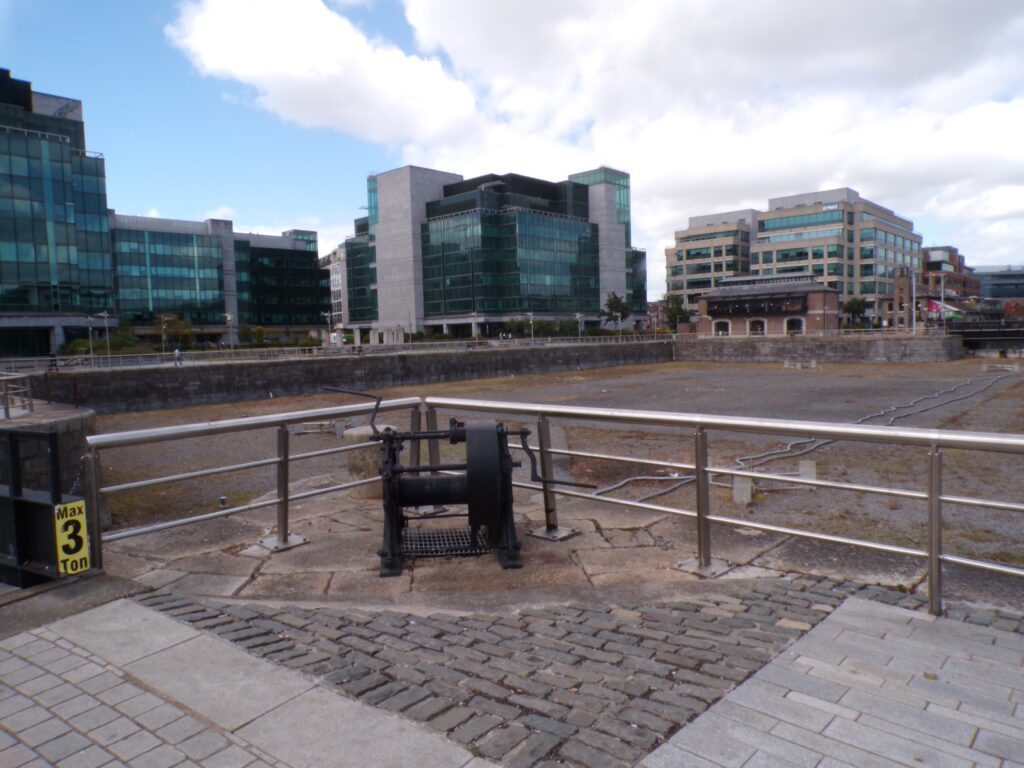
<point>215,278</point>
<point>438,252</point>
<point>944,270</point>
<point>54,244</point>
<point>850,244</point>
<point>1001,282</point>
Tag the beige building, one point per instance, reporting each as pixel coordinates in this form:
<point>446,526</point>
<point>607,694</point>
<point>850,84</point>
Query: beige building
<point>835,237</point>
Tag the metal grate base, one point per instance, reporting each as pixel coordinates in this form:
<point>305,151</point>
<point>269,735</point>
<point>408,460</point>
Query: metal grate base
<point>443,542</point>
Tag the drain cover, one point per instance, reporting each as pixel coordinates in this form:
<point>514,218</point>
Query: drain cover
<point>443,542</point>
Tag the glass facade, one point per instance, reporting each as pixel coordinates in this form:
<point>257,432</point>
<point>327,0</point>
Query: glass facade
<point>54,239</point>
<point>508,261</point>
<point>172,273</point>
<point>361,272</point>
<point>283,286</point>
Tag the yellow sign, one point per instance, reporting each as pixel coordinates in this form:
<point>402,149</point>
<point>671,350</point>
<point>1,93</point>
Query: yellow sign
<point>72,537</point>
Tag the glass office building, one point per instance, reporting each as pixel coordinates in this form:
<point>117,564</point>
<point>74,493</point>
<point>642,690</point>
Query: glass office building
<point>509,244</point>
<point>55,264</point>
<point>215,278</point>
<point>168,273</point>
<point>438,252</point>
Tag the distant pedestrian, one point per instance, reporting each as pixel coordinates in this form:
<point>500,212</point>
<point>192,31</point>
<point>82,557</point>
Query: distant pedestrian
<point>177,357</point>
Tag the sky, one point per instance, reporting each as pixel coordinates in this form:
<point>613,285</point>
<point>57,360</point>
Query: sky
<point>273,112</point>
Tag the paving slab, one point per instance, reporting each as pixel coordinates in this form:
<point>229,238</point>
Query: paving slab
<point>220,682</point>
<point>812,704</point>
<point>123,631</point>
<point>296,734</point>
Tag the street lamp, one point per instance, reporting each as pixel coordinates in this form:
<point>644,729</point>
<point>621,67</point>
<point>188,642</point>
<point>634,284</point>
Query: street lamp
<point>327,319</point>
<point>106,331</point>
<point>228,317</point>
<point>618,322</point>
<point>164,319</point>
<point>579,325</point>
<point>530,315</point>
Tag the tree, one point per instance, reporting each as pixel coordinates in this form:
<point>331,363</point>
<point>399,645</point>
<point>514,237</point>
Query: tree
<point>675,312</point>
<point>615,308</point>
<point>855,308</point>
<point>245,335</point>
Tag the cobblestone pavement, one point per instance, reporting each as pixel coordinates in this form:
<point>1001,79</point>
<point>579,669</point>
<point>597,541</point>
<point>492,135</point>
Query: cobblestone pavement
<point>579,685</point>
<point>872,685</point>
<point>62,706</point>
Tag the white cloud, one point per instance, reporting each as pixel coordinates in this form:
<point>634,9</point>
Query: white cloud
<point>221,212</point>
<point>918,104</point>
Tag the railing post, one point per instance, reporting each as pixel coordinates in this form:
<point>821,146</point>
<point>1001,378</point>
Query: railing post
<point>92,476</point>
<point>433,447</point>
<point>551,530</point>
<point>703,498</point>
<point>284,539</point>
<point>935,532</point>
<point>282,483</point>
<point>414,446</point>
<point>547,470</point>
<point>7,400</point>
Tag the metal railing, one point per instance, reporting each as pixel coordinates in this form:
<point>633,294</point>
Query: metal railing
<point>15,395</point>
<point>934,440</point>
<point>282,461</point>
<point>255,354</point>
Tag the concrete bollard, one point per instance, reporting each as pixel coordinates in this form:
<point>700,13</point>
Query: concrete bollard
<point>364,462</point>
<point>742,490</point>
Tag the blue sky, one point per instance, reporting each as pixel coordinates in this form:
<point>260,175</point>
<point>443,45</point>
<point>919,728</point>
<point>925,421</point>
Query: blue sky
<point>176,142</point>
<point>273,112</point>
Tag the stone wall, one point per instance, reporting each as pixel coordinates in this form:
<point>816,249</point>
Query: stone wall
<point>143,389</point>
<point>835,349</point>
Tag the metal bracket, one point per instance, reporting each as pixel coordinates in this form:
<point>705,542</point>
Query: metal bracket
<point>553,534</point>
<point>712,570</point>
<point>294,540</point>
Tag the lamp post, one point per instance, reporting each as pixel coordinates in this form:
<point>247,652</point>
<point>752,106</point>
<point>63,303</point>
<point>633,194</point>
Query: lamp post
<point>530,315</point>
<point>163,333</point>
<point>618,322</point>
<point>579,325</point>
<point>106,330</point>
<point>327,319</point>
<point>228,317</point>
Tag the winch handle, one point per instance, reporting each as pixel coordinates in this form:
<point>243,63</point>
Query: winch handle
<point>536,476</point>
<point>376,407</point>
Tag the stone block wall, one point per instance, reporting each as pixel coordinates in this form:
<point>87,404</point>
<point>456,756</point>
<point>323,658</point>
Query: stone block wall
<point>835,349</point>
<point>143,389</point>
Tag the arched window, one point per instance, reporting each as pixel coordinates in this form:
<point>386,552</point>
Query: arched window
<point>722,327</point>
<point>755,327</point>
<point>794,326</point>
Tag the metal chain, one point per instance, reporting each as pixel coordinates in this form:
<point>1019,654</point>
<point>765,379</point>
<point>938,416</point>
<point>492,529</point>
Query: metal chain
<point>78,477</point>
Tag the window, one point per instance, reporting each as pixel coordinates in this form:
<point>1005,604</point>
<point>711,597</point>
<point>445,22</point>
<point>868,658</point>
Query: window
<point>721,328</point>
<point>755,257</point>
<point>756,327</point>
<point>867,234</point>
<point>795,325</point>
<point>805,220</point>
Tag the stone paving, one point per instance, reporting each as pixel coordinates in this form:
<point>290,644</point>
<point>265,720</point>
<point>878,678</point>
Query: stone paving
<point>61,705</point>
<point>873,685</point>
<point>573,684</point>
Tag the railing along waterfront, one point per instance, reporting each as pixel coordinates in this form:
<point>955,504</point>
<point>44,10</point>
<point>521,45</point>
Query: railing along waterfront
<point>934,440</point>
<point>102,361</point>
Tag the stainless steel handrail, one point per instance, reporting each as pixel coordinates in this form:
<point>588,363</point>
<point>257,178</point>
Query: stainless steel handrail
<point>933,439</point>
<point>181,431</point>
<point>930,438</point>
